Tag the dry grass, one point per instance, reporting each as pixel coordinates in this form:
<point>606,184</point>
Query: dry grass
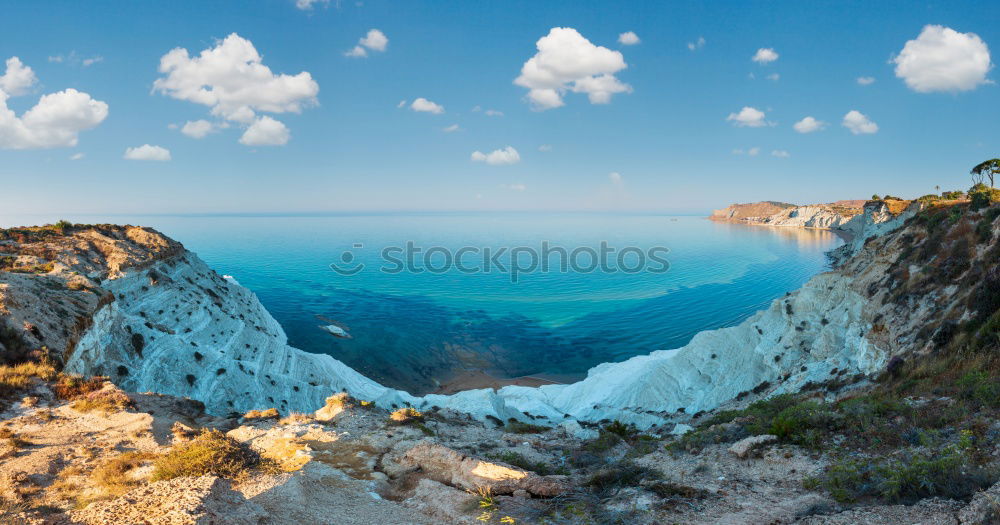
<point>296,418</point>
<point>405,416</point>
<point>115,475</point>
<point>896,206</point>
<point>271,413</point>
<point>212,452</point>
<point>71,387</point>
<point>107,401</point>
<point>17,378</point>
<point>8,437</point>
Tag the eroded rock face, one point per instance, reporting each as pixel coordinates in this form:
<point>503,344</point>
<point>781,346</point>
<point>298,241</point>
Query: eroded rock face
<point>180,501</point>
<point>448,466</point>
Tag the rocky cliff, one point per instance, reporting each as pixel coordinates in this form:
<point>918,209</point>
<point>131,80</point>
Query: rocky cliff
<point>153,317</point>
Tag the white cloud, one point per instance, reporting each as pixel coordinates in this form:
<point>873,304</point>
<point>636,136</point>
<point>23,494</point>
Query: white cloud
<point>616,178</point>
<point>74,59</point>
<point>498,157</point>
<point>858,123</point>
<point>307,5</point>
<point>748,117</point>
<point>942,59</point>
<point>426,106</point>
<point>18,78</point>
<point>76,156</point>
<point>773,77</point>
<point>375,40</point>
<point>545,148</point>
<point>780,153</point>
<point>54,122</point>
<point>765,55</point>
<point>401,104</point>
<point>265,131</point>
<point>566,61</point>
<point>356,52</point>
<point>628,38</point>
<point>515,187</point>
<point>697,44</point>
<point>231,79</point>
<point>197,129</point>
<point>147,152</point>
<point>452,128</point>
<point>808,125</point>
<point>493,113</point>
<point>753,152</point>
<point>866,81</point>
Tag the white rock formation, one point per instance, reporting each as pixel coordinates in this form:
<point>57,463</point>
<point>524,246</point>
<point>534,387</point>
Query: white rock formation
<point>178,328</point>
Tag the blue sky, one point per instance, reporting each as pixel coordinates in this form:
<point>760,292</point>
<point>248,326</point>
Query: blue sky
<point>352,148</point>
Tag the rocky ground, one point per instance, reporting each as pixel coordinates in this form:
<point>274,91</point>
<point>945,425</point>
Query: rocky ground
<point>77,452</point>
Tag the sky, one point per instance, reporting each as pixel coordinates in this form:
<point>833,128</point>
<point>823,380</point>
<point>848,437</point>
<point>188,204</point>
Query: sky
<point>307,106</point>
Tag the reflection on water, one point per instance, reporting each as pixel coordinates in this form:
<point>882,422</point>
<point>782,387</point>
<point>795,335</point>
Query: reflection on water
<point>413,330</point>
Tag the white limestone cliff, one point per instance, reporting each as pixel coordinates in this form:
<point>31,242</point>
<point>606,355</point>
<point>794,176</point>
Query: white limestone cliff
<point>176,327</point>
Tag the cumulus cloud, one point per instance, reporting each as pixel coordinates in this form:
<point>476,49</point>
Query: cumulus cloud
<point>780,153</point>
<point>498,157</point>
<point>859,123</point>
<point>628,38</point>
<point>697,44</point>
<point>748,117</point>
<point>375,40</point>
<point>942,59</point>
<point>765,55</point>
<point>76,156</point>
<point>18,78</point>
<point>147,152</point>
<point>54,122</point>
<point>197,129</point>
<point>773,77</point>
<point>752,151</point>
<point>426,106</point>
<point>231,79</point>
<point>75,59</point>
<point>265,131</point>
<point>493,113</point>
<point>808,125</point>
<point>452,128</point>
<point>566,61</point>
<point>545,148</point>
<point>866,81</point>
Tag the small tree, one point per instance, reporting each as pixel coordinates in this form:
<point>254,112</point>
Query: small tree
<point>985,170</point>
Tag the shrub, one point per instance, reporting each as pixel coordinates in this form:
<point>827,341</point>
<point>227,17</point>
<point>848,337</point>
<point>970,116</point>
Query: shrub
<point>622,474</point>
<point>518,460</point>
<point>296,418</point>
<point>211,452</point>
<point>906,479</point>
<point>406,416</point>
<point>952,195</point>
<point>107,401</point>
<point>114,475</point>
<point>17,378</point>
<point>517,427</point>
<point>270,413</point>
<point>70,387</point>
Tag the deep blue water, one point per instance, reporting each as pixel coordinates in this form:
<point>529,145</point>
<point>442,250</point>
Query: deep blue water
<point>413,329</point>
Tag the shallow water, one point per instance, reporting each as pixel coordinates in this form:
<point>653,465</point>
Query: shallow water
<point>411,330</point>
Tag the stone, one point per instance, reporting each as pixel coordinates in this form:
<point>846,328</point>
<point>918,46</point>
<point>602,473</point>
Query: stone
<point>573,429</point>
<point>744,447</point>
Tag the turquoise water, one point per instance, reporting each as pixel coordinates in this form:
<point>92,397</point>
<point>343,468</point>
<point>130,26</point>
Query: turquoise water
<point>411,330</point>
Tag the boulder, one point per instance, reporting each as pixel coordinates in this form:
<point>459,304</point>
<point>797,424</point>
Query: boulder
<point>984,509</point>
<point>450,467</point>
<point>573,429</point>
<point>744,447</point>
